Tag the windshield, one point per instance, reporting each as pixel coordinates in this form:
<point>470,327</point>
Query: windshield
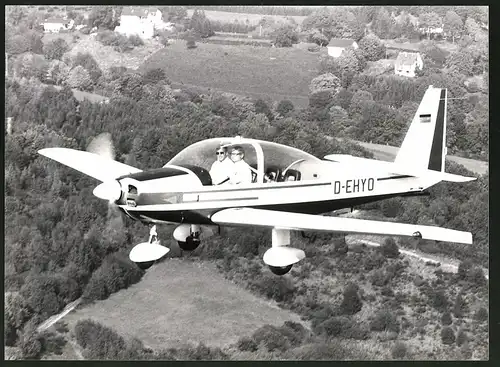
<point>202,154</point>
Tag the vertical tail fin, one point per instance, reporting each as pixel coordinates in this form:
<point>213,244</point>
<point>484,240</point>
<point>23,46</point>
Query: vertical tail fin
<point>424,146</point>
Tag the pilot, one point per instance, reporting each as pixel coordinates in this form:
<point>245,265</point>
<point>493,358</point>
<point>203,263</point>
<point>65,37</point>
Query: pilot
<point>222,168</point>
<point>242,172</point>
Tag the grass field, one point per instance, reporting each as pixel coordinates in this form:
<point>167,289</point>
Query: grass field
<point>229,17</point>
<point>388,153</point>
<point>106,56</point>
<point>255,71</point>
<point>178,302</point>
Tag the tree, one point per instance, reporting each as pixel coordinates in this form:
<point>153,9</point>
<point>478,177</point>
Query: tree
<point>459,307</point>
<point>349,62</point>
<point>319,38</point>
<point>462,60</point>
<point>173,13</point>
<point>446,319</point>
<point>382,23</point>
<point>285,36</point>
<point>90,64</point>
<point>351,303</point>
<point>55,49</point>
<point>107,17</point>
<point>447,335</point>
<point>190,43</point>
<point>453,24</point>
<point>390,248</point>
<point>200,24</point>
<point>325,82</point>
<point>373,49</point>
<point>262,107</point>
<point>154,76</point>
<point>429,20</point>
<point>284,107</point>
<point>79,78</point>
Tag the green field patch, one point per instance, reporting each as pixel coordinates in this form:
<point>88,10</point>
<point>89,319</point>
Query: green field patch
<point>179,302</point>
<point>241,69</point>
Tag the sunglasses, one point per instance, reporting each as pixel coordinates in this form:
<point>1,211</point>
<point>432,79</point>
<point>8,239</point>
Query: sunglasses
<point>219,153</point>
<point>235,153</point>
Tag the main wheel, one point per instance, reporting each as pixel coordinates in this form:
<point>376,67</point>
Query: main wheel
<point>191,244</point>
<point>145,265</point>
<point>280,270</point>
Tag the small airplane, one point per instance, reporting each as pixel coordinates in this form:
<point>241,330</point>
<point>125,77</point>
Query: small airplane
<point>182,191</point>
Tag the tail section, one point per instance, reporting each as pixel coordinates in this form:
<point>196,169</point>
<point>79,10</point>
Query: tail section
<point>424,146</point>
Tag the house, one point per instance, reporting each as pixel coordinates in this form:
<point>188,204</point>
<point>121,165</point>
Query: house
<point>406,64</point>
<point>141,21</point>
<point>337,45</point>
<point>54,25</point>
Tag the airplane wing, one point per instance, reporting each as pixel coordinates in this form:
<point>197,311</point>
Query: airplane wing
<point>304,222</point>
<point>91,164</point>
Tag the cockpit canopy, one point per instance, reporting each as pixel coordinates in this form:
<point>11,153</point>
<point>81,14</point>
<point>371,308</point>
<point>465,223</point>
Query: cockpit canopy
<point>261,155</point>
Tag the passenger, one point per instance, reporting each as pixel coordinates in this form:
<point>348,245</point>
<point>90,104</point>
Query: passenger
<point>222,168</point>
<point>242,172</point>
<point>290,178</point>
<point>270,177</point>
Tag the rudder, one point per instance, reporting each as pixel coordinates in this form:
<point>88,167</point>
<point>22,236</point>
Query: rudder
<point>424,146</point>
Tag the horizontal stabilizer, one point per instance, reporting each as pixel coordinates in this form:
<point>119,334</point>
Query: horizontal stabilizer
<point>303,222</point>
<point>91,164</point>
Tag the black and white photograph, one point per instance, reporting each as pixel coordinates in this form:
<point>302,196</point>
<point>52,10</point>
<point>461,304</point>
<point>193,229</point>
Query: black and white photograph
<point>246,183</point>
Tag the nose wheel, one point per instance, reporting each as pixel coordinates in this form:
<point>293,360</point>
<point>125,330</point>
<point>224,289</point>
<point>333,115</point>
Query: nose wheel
<point>145,254</point>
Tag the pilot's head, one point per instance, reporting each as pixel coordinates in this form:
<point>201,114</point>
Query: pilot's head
<point>221,153</point>
<point>237,154</point>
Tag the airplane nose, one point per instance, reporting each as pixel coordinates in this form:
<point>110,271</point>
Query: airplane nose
<point>109,190</point>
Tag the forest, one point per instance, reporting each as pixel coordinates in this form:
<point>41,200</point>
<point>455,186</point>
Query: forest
<point>62,243</point>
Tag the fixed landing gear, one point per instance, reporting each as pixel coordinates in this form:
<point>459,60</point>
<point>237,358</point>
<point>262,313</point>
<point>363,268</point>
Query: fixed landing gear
<point>188,236</point>
<point>280,270</point>
<point>145,254</point>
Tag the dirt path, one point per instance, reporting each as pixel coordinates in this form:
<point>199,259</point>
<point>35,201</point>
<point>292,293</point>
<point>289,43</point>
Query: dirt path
<point>55,318</point>
<point>449,266</point>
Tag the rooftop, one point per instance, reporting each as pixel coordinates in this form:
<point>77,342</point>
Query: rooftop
<point>56,20</point>
<point>406,58</point>
<point>140,11</point>
<point>340,42</point>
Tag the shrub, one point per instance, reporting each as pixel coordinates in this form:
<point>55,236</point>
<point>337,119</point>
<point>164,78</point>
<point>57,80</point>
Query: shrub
<point>135,40</point>
<point>389,248</point>
<point>331,327</point>
<point>271,338</point>
<point>439,300</point>
<point>284,107</point>
<point>481,314</point>
<point>399,350</point>
<point>447,335</point>
<point>52,343</point>
<point>384,321</point>
<point>190,43</point>
<point>247,344</point>
<point>461,337</point>
<point>294,332</point>
<point>99,341</point>
<point>29,342</point>
<point>116,272</point>
<point>460,307</point>
<point>463,269</point>
<point>379,278</point>
<point>446,319</point>
<point>351,303</point>
<point>340,246</point>
<point>278,288</point>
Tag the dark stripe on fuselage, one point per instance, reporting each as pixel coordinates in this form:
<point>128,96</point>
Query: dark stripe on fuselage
<point>155,173</point>
<point>436,157</point>
<point>202,216</point>
<point>284,186</point>
<point>393,177</point>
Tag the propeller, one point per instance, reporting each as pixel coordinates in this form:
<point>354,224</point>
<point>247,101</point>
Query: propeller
<point>102,145</point>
